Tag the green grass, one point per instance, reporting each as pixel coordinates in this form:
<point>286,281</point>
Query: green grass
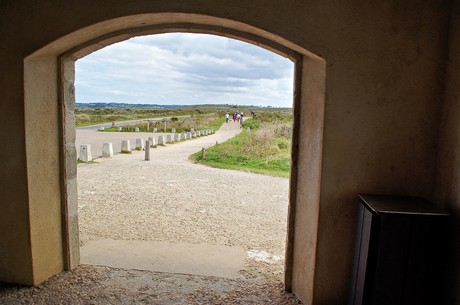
<point>216,124</point>
<point>198,122</point>
<point>83,162</point>
<point>89,116</point>
<point>251,151</point>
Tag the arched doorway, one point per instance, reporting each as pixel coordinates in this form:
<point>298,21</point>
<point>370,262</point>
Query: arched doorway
<point>49,97</point>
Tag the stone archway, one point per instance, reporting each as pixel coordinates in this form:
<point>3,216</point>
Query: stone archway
<point>50,135</point>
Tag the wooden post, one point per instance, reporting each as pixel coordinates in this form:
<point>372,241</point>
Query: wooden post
<point>147,150</point>
<point>165,125</point>
<point>203,154</point>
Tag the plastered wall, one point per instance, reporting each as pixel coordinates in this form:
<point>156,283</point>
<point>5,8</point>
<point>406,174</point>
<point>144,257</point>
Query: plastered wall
<point>384,93</point>
<point>448,174</point>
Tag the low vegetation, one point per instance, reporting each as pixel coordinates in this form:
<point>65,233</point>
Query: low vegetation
<point>93,116</point>
<point>181,124</point>
<point>90,116</point>
<point>265,148</point>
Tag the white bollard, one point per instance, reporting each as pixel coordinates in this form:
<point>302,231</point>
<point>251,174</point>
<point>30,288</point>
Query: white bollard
<point>152,141</point>
<point>155,129</point>
<point>173,130</point>
<point>189,135</point>
<point>161,140</point>
<point>120,128</point>
<point>194,134</point>
<point>183,136</point>
<point>136,129</point>
<point>176,137</point>
<point>169,138</point>
<point>107,150</point>
<point>139,144</point>
<point>125,146</point>
<point>85,153</point>
<point>192,129</point>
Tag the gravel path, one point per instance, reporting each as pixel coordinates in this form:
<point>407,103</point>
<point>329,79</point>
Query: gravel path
<point>171,199</point>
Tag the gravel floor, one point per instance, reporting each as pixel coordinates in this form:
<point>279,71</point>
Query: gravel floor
<point>102,285</point>
<point>171,199</point>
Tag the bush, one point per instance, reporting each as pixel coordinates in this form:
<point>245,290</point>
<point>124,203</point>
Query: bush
<point>282,144</point>
<point>251,123</point>
<point>265,149</point>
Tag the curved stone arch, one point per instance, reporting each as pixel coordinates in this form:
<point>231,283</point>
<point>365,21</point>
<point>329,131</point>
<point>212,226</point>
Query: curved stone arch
<point>50,137</point>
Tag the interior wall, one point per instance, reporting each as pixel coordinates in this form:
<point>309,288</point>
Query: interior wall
<point>448,174</point>
<point>15,251</point>
<point>43,165</point>
<point>383,97</point>
<point>307,201</point>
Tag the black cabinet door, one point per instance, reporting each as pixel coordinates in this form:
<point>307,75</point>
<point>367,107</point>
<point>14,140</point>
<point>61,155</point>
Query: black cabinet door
<point>399,250</point>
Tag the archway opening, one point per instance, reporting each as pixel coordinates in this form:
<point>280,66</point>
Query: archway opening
<point>168,215</point>
<point>49,75</point>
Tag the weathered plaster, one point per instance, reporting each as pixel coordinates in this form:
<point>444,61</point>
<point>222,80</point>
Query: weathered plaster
<point>448,172</point>
<point>384,63</point>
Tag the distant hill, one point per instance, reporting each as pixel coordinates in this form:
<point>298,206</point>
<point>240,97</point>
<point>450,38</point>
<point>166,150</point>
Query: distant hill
<point>122,105</point>
<point>150,106</point>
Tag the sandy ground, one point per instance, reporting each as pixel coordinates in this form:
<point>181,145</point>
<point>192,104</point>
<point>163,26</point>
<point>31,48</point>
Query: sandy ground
<point>171,199</point>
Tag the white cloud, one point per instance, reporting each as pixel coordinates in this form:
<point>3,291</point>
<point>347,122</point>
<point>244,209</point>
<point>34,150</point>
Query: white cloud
<point>184,69</point>
<point>126,93</point>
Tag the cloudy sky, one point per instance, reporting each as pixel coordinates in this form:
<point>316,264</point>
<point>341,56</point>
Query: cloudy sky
<point>185,69</point>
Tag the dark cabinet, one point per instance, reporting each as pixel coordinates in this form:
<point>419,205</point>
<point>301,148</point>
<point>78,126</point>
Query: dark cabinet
<point>399,251</point>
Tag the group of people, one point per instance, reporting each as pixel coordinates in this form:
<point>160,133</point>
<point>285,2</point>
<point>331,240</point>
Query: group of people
<point>237,117</point>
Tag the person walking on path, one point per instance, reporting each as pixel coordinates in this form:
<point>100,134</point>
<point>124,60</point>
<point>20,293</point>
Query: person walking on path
<point>226,117</point>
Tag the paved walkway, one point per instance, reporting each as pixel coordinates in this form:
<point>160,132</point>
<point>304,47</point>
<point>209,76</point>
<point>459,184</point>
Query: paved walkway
<point>180,258</point>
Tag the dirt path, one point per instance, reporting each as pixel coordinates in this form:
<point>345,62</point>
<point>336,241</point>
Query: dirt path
<point>171,199</point>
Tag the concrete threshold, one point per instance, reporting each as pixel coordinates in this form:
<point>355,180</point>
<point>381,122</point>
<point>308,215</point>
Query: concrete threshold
<point>182,258</point>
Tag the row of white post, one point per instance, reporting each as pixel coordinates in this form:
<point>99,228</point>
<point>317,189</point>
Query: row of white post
<point>107,148</point>
<point>155,130</point>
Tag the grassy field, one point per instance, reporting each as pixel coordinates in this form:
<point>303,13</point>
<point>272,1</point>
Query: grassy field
<point>93,116</point>
<point>182,124</point>
<point>88,116</point>
<point>265,149</point>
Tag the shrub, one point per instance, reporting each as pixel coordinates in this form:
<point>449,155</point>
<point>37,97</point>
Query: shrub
<point>251,123</point>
